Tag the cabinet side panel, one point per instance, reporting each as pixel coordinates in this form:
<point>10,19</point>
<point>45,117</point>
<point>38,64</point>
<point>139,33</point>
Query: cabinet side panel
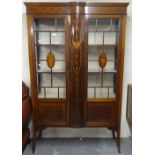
<point>32,71</point>
<point>120,71</point>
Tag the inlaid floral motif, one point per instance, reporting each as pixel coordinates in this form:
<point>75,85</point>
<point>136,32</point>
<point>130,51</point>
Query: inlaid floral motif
<point>102,60</point>
<point>50,60</point>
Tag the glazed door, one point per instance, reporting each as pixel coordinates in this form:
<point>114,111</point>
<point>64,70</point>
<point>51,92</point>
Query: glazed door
<point>101,63</point>
<point>52,69</point>
<point>50,58</point>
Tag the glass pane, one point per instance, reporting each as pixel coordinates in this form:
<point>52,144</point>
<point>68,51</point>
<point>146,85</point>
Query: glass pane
<point>57,24</point>
<point>45,80</point>
<point>92,25</point>
<point>50,57</point>
<point>45,25</point>
<point>95,50</point>
<point>41,93</point>
<point>62,93</point>
<point>95,38</point>
<point>103,25</point>
<point>115,24</point>
<point>103,41</point>
<point>51,92</point>
<point>112,93</point>
<point>93,56</point>
<point>94,80</point>
<point>42,38</point>
<point>57,38</point>
<point>110,38</point>
<point>91,93</point>
<point>60,25</point>
<point>102,93</point>
<point>58,81</point>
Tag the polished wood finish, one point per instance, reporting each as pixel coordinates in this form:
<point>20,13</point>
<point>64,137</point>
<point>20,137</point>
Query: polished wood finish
<point>76,110</point>
<point>120,77</point>
<point>71,8</point>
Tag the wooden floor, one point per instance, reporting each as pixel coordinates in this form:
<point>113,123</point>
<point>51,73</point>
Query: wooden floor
<point>77,146</point>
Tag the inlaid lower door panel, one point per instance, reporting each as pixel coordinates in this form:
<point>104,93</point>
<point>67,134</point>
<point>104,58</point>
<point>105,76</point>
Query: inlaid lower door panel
<point>100,114</point>
<point>103,41</point>
<point>52,113</point>
<point>51,54</point>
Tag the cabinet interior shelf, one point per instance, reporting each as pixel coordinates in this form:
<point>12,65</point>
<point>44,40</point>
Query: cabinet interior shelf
<point>99,72</point>
<point>89,72</point>
<point>91,45</point>
<point>52,86</point>
<point>53,72</point>
<point>103,31</point>
<point>46,60</point>
<point>101,45</point>
<point>65,60</point>
<point>55,31</point>
<point>107,60</point>
<point>101,86</point>
<point>49,31</point>
<point>50,45</point>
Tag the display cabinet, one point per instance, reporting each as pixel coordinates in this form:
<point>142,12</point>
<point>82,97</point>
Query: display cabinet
<point>76,55</point>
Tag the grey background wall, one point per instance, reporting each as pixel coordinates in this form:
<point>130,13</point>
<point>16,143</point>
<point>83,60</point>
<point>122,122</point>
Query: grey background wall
<point>86,132</point>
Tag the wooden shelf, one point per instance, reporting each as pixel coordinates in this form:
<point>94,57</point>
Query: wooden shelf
<point>102,31</point>
<point>101,45</point>
<point>51,86</point>
<point>49,31</point>
<point>101,86</point>
<point>50,45</point>
<point>91,45</point>
<point>46,60</point>
<point>53,72</point>
<point>91,72</point>
<point>104,71</point>
<point>97,60</point>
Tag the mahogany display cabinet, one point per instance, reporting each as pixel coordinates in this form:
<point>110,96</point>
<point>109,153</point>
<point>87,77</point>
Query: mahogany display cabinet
<point>76,55</point>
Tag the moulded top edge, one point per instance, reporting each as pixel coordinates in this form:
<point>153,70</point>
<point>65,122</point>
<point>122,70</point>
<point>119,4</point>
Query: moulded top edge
<point>76,3</point>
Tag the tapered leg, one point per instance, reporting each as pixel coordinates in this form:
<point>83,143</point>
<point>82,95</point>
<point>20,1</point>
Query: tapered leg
<point>40,133</point>
<point>113,134</point>
<point>33,144</point>
<point>118,141</point>
<point>33,139</point>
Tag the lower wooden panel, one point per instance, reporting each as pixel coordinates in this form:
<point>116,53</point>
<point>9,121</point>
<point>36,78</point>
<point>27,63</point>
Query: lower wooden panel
<point>100,124</point>
<point>52,114</point>
<point>100,114</point>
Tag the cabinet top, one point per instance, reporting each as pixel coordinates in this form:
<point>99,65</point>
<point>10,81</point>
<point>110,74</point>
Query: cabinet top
<point>76,7</point>
<point>76,3</point>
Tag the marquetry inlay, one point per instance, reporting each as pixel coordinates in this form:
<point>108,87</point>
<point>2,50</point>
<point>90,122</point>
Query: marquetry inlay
<point>76,44</point>
<point>50,60</point>
<point>102,60</point>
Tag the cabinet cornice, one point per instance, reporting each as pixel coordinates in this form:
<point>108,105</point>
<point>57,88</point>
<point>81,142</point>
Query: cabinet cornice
<point>71,8</point>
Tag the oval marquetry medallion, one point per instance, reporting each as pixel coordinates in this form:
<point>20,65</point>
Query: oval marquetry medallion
<point>102,60</point>
<point>50,60</point>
